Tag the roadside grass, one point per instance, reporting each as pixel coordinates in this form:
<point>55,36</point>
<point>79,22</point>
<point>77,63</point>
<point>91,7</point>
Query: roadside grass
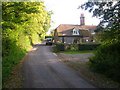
<point>99,80</point>
<point>9,62</point>
<point>15,80</point>
<point>78,52</point>
<point>65,61</point>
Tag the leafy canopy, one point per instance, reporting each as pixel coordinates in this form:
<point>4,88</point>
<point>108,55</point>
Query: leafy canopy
<point>109,14</point>
<point>23,24</point>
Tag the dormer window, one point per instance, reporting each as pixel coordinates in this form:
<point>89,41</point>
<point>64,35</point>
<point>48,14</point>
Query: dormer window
<point>75,31</point>
<point>93,33</point>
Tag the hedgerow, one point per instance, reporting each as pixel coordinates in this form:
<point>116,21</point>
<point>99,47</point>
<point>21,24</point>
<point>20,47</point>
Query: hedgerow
<point>23,25</point>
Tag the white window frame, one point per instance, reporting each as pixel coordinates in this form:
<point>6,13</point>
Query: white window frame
<point>75,32</point>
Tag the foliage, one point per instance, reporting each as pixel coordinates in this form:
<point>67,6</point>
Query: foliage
<point>107,59</point>
<point>88,46</point>
<point>108,12</point>
<point>60,47</point>
<point>59,42</point>
<point>90,43</point>
<point>73,47</point>
<point>82,46</point>
<point>55,49</point>
<point>23,24</point>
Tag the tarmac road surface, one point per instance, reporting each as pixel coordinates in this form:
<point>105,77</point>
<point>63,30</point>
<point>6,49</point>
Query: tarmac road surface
<point>43,69</point>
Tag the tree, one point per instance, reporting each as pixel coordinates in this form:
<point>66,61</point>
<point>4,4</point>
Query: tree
<point>106,59</point>
<point>109,14</point>
<point>23,24</point>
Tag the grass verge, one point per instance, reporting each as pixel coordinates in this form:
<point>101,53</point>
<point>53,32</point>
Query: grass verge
<point>98,80</point>
<point>82,67</point>
<point>78,52</point>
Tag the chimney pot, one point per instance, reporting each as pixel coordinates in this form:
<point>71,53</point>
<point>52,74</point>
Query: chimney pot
<point>82,19</point>
<point>82,15</point>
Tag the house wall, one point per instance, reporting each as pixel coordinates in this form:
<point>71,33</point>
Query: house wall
<point>70,40</point>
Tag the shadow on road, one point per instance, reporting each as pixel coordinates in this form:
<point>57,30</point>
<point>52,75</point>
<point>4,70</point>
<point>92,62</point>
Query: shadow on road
<point>39,45</point>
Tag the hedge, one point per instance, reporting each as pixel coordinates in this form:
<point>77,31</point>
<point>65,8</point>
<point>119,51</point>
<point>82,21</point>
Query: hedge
<point>60,47</point>
<point>76,47</point>
<point>87,46</point>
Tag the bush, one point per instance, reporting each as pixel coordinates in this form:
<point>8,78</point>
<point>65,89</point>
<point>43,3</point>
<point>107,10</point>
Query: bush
<point>74,47</point>
<point>13,57</point>
<point>67,46</point>
<point>107,60</point>
<point>55,49</point>
<point>71,47</point>
<point>88,46</point>
<point>59,42</point>
<point>60,47</point>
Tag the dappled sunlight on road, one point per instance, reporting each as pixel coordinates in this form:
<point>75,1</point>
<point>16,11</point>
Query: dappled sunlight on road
<point>34,49</point>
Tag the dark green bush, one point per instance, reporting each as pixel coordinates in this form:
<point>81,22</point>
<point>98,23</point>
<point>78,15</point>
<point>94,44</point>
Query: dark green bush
<point>73,47</point>
<point>67,46</point>
<point>107,60</point>
<point>11,58</point>
<point>88,46</point>
<point>60,47</point>
<point>55,49</point>
<point>77,47</point>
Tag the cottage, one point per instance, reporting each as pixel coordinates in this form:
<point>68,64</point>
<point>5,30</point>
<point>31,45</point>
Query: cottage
<point>72,34</point>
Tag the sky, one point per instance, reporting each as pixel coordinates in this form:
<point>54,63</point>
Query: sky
<point>66,12</point>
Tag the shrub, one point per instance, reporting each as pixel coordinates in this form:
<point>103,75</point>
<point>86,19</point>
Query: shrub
<point>59,42</point>
<point>60,47</point>
<point>74,47</point>
<point>88,46</point>
<point>67,46</point>
<point>107,60</point>
<point>55,49</point>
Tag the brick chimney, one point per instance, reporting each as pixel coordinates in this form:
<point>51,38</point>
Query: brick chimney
<point>82,19</point>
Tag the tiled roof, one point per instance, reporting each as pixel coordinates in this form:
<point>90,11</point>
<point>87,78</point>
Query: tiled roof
<point>85,33</point>
<point>66,29</point>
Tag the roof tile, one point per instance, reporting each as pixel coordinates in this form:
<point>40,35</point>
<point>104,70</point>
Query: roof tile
<point>66,29</point>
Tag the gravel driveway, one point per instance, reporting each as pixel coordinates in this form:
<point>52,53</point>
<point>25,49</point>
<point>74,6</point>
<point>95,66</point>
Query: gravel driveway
<point>78,63</point>
<point>83,58</point>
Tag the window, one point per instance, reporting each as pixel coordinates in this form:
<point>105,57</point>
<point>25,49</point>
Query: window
<point>86,40</point>
<point>93,33</point>
<point>75,32</point>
